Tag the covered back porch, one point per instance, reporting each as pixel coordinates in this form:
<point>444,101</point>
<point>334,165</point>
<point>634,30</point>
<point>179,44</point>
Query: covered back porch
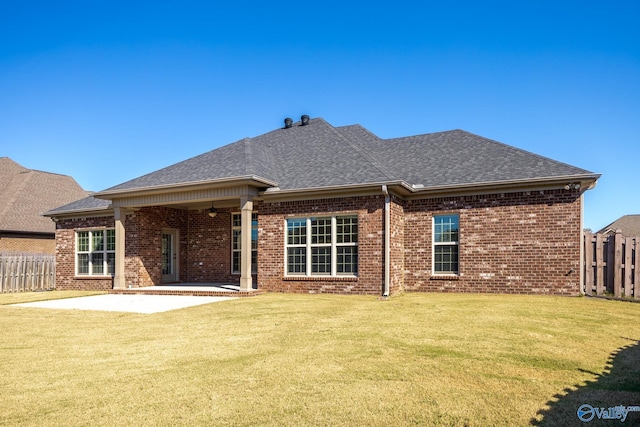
<point>200,239</point>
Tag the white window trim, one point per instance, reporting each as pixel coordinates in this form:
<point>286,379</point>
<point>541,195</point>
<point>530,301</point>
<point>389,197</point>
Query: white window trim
<point>308,246</point>
<point>104,251</point>
<point>434,244</point>
<point>254,268</point>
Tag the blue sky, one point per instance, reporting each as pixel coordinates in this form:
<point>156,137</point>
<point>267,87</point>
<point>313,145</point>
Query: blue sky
<point>106,91</point>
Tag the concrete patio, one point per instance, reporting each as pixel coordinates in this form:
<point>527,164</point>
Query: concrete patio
<point>190,289</point>
<point>133,303</point>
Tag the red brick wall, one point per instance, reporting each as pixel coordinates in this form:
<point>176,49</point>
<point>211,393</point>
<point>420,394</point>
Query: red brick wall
<point>204,251</point>
<point>271,249</point>
<point>396,267</point>
<point>509,243</point>
<point>36,245</point>
<point>146,243</point>
<point>65,255</point>
<point>204,245</point>
<point>209,247</point>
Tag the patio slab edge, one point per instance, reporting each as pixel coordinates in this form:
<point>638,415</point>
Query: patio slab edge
<point>186,292</point>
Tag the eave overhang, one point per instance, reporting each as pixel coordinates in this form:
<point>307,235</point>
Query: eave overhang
<point>582,182</point>
<point>80,213</point>
<point>191,194</point>
<point>10,233</point>
<point>187,194</point>
<point>275,194</point>
<point>249,180</point>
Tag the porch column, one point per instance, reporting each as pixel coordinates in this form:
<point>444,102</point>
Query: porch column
<point>246,205</point>
<point>119,281</point>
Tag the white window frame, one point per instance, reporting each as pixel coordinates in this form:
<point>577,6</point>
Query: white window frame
<point>238,249</point>
<point>308,246</point>
<point>105,252</point>
<point>435,244</point>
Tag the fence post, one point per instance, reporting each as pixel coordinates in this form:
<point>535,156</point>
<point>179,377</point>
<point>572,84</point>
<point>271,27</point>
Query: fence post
<point>2,274</point>
<point>636,268</point>
<point>628,266</point>
<point>610,255</point>
<point>588,263</point>
<point>46,279</point>
<point>617,269</point>
<point>600,285</point>
<point>36,274</point>
<point>29,275</point>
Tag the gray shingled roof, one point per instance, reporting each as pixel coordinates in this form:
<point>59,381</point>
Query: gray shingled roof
<point>88,203</point>
<point>320,155</point>
<point>458,157</point>
<point>628,224</point>
<point>25,194</point>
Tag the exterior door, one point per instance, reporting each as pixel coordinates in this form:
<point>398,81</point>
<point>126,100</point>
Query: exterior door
<point>169,257</point>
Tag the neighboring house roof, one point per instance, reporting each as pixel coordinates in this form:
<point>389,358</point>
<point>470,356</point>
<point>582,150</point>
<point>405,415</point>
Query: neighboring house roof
<point>319,155</point>
<point>25,194</point>
<point>628,224</point>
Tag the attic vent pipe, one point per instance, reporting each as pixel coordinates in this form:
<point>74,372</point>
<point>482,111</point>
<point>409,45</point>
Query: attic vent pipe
<point>288,123</point>
<point>304,119</point>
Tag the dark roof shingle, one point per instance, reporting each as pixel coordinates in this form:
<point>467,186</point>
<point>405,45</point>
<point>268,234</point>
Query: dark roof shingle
<point>85,204</point>
<point>320,155</point>
<point>25,194</point>
<point>459,157</point>
<point>628,224</point>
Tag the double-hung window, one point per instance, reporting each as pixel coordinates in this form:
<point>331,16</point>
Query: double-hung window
<point>446,243</point>
<point>96,252</point>
<point>236,242</point>
<point>322,246</point>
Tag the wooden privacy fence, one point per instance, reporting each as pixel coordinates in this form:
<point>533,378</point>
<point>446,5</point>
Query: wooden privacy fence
<point>612,265</point>
<point>27,272</point>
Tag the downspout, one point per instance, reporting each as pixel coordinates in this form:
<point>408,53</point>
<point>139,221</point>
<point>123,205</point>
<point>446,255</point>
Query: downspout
<point>583,263</point>
<point>187,250</point>
<point>387,240</point>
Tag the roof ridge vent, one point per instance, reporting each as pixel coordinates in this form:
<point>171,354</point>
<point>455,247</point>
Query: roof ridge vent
<point>304,119</point>
<point>288,123</point>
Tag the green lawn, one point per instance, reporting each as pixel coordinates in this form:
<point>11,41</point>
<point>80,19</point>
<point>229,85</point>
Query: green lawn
<point>280,359</point>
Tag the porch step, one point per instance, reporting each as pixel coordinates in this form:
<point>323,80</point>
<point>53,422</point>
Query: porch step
<point>187,292</point>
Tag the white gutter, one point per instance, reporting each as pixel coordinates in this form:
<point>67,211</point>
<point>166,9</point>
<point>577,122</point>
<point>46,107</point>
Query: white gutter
<point>387,240</point>
<point>587,182</point>
<point>74,213</point>
<point>334,188</point>
<point>524,182</point>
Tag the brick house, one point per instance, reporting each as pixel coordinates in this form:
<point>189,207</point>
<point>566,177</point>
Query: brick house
<point>315,208</point>
<point>24,195</point>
